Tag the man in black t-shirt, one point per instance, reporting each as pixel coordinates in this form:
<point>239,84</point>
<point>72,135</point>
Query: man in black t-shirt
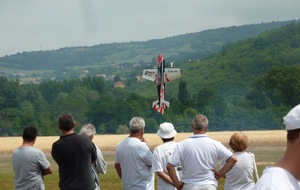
<point>74,154</point>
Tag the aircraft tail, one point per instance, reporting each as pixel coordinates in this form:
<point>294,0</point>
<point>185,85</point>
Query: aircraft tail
<point>160,108</point>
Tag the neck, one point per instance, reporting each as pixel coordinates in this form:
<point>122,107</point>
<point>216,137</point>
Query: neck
<point>290,161</point>
<point>67,132</point>
<point>27,143</point>
<point>136,135</point>
<point>197,132</point>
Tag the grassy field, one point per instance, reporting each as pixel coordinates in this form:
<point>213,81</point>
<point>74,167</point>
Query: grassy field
<point>268,146</point>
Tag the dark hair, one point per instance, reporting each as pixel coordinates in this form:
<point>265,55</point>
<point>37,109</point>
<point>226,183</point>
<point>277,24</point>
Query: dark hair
<point>292,135</point>
<point>167,140</point>
<point>29,134</point>
<point>66,122</point>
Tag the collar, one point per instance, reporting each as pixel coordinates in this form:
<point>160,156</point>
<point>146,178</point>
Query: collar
<point>198,136</point>
<point>68,135</point>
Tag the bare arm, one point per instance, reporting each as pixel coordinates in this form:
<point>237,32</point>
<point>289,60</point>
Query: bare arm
<point>226,168</point>
<point>47,171</point>
<point>165,177</point>
<point>171,170</point>
<point>118,169</point>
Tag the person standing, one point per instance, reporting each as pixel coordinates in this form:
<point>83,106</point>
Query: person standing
<point>199,156</point>
<point>285,174</point>
<point>29,163</point>
<point>74,154</point>
<point>100,165</point>
<point>161,156</point>
<point>133,159</point>
<point>240,177</point>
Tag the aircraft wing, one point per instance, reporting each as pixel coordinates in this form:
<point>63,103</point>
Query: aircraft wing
<point>149,74</point>
<point>172,74</point>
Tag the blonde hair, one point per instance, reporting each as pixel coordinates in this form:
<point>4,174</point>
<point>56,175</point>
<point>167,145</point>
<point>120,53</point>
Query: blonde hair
<point>238,142</point>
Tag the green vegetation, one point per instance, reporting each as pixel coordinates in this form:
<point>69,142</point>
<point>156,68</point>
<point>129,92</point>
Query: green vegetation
<point>249,85</point>
<point>105,58</point>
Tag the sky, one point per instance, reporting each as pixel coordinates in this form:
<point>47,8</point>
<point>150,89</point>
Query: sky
<point>34,25</point>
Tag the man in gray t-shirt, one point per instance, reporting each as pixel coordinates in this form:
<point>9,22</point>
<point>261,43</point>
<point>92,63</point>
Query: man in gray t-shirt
<point>29,163</point>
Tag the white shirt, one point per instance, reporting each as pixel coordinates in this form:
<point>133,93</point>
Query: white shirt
<point>199,155</point>
<point>276,178</point>
<point>161,155</point>
<point>99,166</point>
<point>240,177</point>
<point>135,159</point>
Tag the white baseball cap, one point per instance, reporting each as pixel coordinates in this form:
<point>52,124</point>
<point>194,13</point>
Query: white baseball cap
<point>166,131</point>
<point>292,119</point>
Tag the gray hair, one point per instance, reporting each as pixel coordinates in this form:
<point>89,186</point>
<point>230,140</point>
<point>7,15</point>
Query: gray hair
<point>88,130</point>
<point>200,122</point>
<point>136,124</point>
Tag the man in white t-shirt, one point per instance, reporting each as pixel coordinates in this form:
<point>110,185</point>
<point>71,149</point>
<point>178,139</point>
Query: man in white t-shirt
<point>285,174</point>
<point>161,156</point>
<point>199,156</point>
<point>133,159</point>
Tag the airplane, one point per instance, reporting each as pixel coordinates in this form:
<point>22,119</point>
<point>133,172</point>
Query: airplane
<point>160,75</point>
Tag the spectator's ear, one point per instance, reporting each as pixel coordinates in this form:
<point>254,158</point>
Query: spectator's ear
<point>143,131</point>
<point>91,137</point>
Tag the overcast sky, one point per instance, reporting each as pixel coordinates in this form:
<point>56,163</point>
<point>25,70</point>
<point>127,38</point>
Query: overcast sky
<point>32,25</point>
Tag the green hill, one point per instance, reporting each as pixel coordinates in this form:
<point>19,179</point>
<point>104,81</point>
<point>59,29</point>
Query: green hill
<point>191,46</point>
<point>248,85</point>
<point>256,79</point>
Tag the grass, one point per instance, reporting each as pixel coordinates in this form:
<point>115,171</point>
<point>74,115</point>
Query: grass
<point>268,146</point>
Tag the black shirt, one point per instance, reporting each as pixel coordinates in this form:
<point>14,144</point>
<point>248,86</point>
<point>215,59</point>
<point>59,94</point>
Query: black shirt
<point>74,153</point>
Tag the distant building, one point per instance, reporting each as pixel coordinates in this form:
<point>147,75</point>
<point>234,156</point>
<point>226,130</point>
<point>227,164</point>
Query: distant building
<point>111,77</point>
<point>30,81</point>
<point>101,75</point>
<point>18,74</point>
<point>119,84</point>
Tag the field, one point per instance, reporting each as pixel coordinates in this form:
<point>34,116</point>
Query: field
<point>268,146</point>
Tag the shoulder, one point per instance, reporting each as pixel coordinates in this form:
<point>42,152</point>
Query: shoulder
<point>276,178</point>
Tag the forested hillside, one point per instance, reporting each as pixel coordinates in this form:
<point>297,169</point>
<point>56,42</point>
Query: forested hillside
<point>257,80</point>
<point>249,85</point>
<point>193,46</point>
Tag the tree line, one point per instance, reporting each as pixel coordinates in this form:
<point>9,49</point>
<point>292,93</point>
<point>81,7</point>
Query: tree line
<point>93,100</point>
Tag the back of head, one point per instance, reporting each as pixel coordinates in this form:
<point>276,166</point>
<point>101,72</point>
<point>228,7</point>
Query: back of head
<point>200,122</point>
<point>292,123</point>
<point>29,134</point>
<point>238,142</point>
<point>88,130</point>
<point>66,122</point>
<point>136,124</point>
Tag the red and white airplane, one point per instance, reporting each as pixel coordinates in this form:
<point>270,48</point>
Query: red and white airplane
<point>162,74</point>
